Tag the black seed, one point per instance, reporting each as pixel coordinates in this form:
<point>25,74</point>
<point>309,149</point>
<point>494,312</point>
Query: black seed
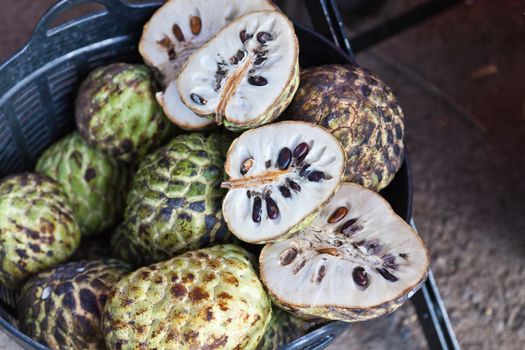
<point>271,208</point>
<point>316,176</point>
<point>246,166</point>
<point>198,99</point>
<point>256,210</point>
<point>177,32</point>
<point>285,191</point>
<point>386,275</point>
<point>244,36</point>
<point>259,60</point>
<point>299,266</point>
<point>293,185</point>
<point>240,55</point>
<point>257,80</point>
<point>338,243</point>
<point>300,152</point>
<point>321,273</point>
<point>288,256</point>
<point>346,228</point>
<point>248,194</point>
<point>403,256</point>
<point>88,302</point>
<point>304,170</point>
<point>360,277</point>
<point>268,164</point>
<point>284,159</point>
<point>172,55</point>
<point>263,37</point>
<point>389,261</point>
<point>372,247</point>
<point>337,215</point>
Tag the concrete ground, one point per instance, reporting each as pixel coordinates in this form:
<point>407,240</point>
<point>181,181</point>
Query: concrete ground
<point>460,80</point>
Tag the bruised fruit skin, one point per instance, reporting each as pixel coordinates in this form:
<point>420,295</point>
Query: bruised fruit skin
<point>95,184</point>
<point>205,299</point>
<point>362,112</point>
<point>283,329</point>
<point>62,307</point>
<point>37,227</point>
<point>365,260</point>
<point>175,201</point>
<point>117,113</point>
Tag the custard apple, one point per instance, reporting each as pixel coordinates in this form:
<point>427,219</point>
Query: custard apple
<point>62,307</point>
<point>116,111</point>
<point>205,299</point>
<point>95,184</point>
<point>37,227</point>
<point>123,249</point>
<point>362,112</point>
<point>175,201</point>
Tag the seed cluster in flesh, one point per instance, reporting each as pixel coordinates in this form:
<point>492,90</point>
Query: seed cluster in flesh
<point>175,201</point>
<point>362,112</point>
<point>206,299</point>
<point>95,184</point>
<point>246,75</point>
<point>37,228</point>
<point>358,236</point>
<point>62,307</point>
<point>273,170</point>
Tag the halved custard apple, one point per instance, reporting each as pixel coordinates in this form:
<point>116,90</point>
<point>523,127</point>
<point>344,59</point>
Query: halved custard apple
<point>246,75</point>
<point>280,175</point>
<point>177,29</point>
<point>357,261</point>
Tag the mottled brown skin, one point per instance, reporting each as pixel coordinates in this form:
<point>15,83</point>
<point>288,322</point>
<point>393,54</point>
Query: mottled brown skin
<point>62,307</point>
<point>205,299</point>
<point>362,112</point>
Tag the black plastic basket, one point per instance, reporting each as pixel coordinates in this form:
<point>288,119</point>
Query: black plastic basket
<point>38,86</point>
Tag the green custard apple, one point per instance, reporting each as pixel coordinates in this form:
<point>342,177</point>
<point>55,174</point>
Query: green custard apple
<point>96,184</point>
<point>283,329</point>
<point>362,112</point>
<point>175,201</point>
<point>117,113</point>
<point>205,299</point>
<point>62,307</point>
<point>122,248</point>
<point>37,227</point>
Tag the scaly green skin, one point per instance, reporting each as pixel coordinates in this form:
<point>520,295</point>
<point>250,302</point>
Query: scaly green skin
<point>62,307</point>
<point>37,228</point>
<point>96,184</point>
<point>205,299</point>
<point>123,249</point>
<point>283,329</point>
<point>362,112</point>
<point>117,113</point>
<point>274,111</point>
<point>175,201</point>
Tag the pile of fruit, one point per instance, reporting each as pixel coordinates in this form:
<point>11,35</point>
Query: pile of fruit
<point>134,231</point>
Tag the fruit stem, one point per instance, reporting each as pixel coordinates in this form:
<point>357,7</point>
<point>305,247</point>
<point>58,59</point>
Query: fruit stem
<point>254,181</point>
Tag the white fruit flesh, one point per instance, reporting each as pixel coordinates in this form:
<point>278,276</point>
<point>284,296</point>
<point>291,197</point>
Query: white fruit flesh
<point>177,112</point>
<point>167,49</point>
<point>263,145</point>
<point>335,255</point>
<point>226,90</point>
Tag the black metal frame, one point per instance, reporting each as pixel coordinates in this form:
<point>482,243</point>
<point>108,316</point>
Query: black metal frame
<point>427,301</point>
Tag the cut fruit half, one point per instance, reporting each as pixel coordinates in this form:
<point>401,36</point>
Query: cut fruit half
<point>280,175</point>
<point>246,75</point>
<point>177,29</point>
<point>357,261</point>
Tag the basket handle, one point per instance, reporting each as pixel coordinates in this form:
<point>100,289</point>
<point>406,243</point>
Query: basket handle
<point>115,8</point>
